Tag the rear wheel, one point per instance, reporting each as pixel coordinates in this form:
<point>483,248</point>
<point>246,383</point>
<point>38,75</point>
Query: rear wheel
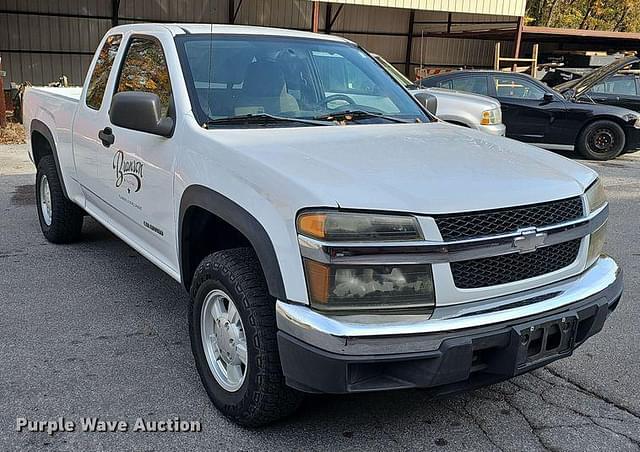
<point>60,219</point>
<point>601,140</point>
<point>233,337</point>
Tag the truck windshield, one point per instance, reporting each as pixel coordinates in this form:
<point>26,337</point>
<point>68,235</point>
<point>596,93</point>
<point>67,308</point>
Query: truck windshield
<point>231,78</point>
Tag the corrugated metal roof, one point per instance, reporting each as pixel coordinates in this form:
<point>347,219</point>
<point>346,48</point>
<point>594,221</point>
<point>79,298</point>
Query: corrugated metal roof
<point>493,7</point>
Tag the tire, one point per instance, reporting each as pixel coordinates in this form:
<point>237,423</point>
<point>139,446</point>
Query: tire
<point>262,396</point>
<point>60,219</point>
<point>601,140</point>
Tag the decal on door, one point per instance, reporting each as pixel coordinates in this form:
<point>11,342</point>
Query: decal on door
<point>128,172</point>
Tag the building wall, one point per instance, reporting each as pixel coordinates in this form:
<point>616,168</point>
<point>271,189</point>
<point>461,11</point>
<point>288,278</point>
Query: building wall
<point>40,40</point>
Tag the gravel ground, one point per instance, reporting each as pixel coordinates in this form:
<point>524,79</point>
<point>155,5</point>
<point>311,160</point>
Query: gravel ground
<point>93,329</point>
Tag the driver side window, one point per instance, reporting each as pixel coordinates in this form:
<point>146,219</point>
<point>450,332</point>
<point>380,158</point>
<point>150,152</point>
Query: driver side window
<point>145,69</point>
<point>517,88</point>
<point>345,84</point>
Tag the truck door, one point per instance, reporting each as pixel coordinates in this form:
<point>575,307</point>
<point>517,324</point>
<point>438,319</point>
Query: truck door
<point>135,172</point>
<point>91,111</point>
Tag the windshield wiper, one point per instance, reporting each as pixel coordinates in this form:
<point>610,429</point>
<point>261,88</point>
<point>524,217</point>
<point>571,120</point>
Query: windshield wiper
<point>260,118</point>
<point>349,115</point>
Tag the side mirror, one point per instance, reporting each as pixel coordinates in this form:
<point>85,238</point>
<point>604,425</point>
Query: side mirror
<point>428,100</point>
<point>548,97</point>
<point>141,111</point>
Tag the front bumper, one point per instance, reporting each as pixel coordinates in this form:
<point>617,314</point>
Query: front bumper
<point>498,130</point>
<point>451,349</point>
<point>633,138</point>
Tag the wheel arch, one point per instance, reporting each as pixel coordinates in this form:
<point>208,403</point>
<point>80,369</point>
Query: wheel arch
<point>198,203</point>
<point>43,143</point>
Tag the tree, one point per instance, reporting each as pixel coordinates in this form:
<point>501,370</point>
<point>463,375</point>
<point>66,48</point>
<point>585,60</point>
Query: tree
<point>610,15</point>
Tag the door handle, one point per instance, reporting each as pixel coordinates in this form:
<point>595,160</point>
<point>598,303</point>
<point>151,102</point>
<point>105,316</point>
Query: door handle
<point>107,137</point>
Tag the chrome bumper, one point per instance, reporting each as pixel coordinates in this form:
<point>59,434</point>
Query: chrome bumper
<point>394,333</point>
<point>498,130</point>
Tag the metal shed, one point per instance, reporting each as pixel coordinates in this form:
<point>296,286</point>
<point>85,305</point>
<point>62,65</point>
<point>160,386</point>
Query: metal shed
<point>40,40</point>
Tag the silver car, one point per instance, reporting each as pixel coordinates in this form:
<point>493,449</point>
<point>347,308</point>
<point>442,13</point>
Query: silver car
<point>469,110</point>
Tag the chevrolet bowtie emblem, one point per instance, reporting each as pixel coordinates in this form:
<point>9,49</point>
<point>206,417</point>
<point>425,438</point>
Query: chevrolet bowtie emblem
<point>529,240</point>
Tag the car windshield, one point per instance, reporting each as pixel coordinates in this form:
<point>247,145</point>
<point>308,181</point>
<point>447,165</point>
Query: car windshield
<point>254,81</point>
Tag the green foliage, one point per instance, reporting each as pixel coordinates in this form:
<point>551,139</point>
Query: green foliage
<point>610,15</point>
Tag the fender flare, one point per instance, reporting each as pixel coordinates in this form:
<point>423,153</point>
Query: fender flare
<point>243,221</point>
<point>43,129</point>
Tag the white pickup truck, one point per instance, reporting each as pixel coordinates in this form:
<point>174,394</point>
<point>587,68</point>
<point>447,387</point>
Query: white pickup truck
<point>333,235</point>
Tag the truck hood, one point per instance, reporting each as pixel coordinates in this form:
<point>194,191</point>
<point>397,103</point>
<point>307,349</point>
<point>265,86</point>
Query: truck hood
<point>420,168</point>
<point>574,88</point>
<point>482,102</point>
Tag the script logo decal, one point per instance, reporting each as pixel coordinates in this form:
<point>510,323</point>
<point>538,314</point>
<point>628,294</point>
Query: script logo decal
<point>128,170</point>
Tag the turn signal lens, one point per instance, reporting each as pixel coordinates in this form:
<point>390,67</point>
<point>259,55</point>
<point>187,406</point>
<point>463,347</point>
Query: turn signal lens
<point>371,287</point>
<point>493,116</point>
<point>312,224</point>
<point>349,226</point>
<point>317,280</point>
<point>596,243</point>
<point>596,196</point>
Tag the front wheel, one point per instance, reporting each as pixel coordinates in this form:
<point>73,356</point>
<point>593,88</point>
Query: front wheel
<point>233,338</point>
<point>601,140</point>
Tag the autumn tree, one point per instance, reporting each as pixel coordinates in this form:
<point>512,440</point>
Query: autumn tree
<point>610,15</point>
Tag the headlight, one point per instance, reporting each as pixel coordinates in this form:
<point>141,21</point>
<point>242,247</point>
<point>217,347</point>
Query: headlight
<point>370,287</point>
<point>347,226</point>
<point>633,119</point>
<point>596,243</point>
<point>493,116</point>
<point>341,287</point>
<point>596,196</point>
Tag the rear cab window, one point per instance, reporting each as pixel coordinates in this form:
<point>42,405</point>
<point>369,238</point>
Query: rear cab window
<point>101,71</point>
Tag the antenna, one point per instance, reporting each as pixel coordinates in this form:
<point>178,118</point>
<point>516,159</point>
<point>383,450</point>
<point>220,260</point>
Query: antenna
<point>210,58</point>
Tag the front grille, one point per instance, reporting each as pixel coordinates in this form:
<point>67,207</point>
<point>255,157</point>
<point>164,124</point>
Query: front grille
<point>460,226</point>
<point>491,271</point>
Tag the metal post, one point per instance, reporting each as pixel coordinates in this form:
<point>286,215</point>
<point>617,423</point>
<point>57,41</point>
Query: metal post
<point>3,108</point>
<point>232,11</point>
<point>315,17</point>
<point>115,9</point>
<point>327,18</point>
<point>518,41</point>
<point>407,58</point>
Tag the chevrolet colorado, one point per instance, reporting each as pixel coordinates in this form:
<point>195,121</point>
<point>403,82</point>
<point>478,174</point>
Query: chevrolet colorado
<point>333,235</point>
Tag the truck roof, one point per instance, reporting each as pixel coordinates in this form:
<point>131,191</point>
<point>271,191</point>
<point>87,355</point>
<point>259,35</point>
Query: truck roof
<point>181,29</point>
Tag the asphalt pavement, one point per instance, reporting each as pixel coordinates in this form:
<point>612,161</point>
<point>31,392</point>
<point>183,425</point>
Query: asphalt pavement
<point>95,330</point>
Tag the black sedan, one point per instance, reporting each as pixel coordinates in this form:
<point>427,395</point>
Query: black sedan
<point>615,84</point>
<point>537,114</point>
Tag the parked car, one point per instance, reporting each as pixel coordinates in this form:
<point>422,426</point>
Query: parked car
<point>607,85</point>
<point>536,114</point>
<point>334,237</point>
<point>464,109</point>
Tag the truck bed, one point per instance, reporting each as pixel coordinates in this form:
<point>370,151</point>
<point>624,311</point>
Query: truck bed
<point>55,108</point>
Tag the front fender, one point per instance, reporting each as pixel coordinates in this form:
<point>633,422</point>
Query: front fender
<point>243,221</point>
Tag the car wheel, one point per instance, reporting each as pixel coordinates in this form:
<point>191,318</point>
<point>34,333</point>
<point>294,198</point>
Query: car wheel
<point>60,219</point>
<point>232,326</point>
<point>601,140</point>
